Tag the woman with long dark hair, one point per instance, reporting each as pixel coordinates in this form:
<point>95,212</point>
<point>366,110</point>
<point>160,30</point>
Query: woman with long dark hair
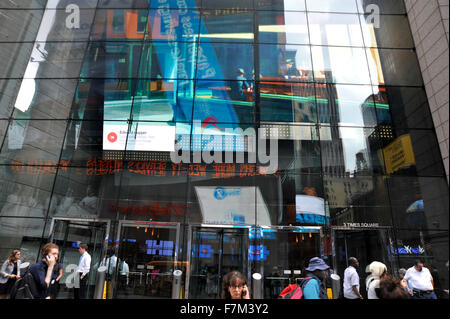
<point>235,286</point>
<point>9,273</point>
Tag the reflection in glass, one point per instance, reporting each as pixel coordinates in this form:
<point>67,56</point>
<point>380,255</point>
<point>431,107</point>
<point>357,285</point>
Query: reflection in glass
<point>283,5</point>
<point>346,105</point>
<point>339,6</point>
<point>402,69</point>
<point>391,31</point>
<point>222,61</point>
<point>288,102</point>
<point>168,60</point>
<point>217,27</point>
<point>112,60</point>
<point>285,62</point>
<point>173,25</point>
<point>119,25</point>
<point>340,65</point>
<point>224,101</point>
<point>283,27</point>
<point>335,29</point>
<point>348,150</point>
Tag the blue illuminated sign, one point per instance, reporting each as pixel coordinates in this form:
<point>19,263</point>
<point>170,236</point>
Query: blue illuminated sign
<point>164,248</point>
<point>312,219</point>
<point>257,253</point>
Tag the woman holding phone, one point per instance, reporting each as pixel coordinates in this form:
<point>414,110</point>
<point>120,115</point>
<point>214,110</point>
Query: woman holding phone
<point>235,286</point>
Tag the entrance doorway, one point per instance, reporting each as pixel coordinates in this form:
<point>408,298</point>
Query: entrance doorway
<point>68,233</point>
<point>367,245</point>
<point>143,263</point>
<point>284,254</point>
<point>215,251</point>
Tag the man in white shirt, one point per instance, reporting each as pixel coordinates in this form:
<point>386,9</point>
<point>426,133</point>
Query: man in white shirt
<point>84,266</point>
<point>351,280</point>
<point>419,277</point>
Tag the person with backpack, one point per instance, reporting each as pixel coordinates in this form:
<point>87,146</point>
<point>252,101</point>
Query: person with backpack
<point>45,272</point>
<point>9,273</point>
<point>314,283</point>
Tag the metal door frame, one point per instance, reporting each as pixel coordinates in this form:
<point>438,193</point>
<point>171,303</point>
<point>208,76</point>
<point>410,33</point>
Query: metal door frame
<point>388,229</point>
<point>83,220</point>
<point>189,249</point>
<point>146,224</point>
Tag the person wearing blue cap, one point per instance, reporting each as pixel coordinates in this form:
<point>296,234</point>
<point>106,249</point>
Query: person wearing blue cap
<point>316,275</point>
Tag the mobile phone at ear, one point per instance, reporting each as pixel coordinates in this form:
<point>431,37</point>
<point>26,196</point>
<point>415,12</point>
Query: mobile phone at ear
<point>244,293</point>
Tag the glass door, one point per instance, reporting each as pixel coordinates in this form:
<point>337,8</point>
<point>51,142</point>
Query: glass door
<point>283,254</point>
<point>145,260</point>
<point>215,251</point>
<point>68,234</point>
<point>366,245</point>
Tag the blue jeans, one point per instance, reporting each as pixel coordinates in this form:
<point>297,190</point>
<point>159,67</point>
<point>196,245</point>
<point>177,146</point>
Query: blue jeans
<point>422,295</point>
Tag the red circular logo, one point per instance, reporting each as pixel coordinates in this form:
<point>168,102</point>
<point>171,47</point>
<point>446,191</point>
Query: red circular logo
<point>112,137</point>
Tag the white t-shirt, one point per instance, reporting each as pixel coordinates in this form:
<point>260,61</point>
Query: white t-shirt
<point>371,293</point>
<point>351,278</point>
<point>420,280</point>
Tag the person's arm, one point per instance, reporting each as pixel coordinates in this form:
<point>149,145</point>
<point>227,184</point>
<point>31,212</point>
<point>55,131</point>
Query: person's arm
<point>355,282</point>
<point>87,265</point>
<point>60,274</point>
<point>3,270</point>
<point>51,264</point>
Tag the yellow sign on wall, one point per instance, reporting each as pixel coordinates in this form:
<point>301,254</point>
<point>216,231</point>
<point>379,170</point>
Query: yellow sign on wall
<point>399,154</point>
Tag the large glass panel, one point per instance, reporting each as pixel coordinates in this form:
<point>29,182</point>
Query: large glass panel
<point>394,67</point>
<point>33,142</point>
<point>288,102</point>
<point>351,151</point>
<point>87,140</point>
<point>223,61</point>
<point>385,7</point>
<point>346,105</point>
<point>42,98</point>
<point>8,95</point>
<point>283,27</point>
<point>390,31</point>
<point>412,152</point>
<point>285,63</point>
<point>120,25</point>
<point>173,25</point>
<point>234,27</point>
<point>335,29</point>
<point>419,202</point>
<point>145,263</point>
<point>344,6</point>
<point>87,192</point>
<point>110,99</point>
<point>224,101</point>
<point>163,100</point>
<point>404,107</point>
<point>293,199</point>
<point>19,25</point>
<point>283,5</point>
<point>55,60</point>
<point>340,65</point>
<point>168,60</point>
<point>15,57</point>
<point>112,60</point>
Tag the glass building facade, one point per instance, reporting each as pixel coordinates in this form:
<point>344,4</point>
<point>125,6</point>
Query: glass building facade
<point>207,136</point>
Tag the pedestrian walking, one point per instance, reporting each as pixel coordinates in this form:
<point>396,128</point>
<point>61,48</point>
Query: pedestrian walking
<point>421,281</point>
<point>9,273</point>
<point>351,280</point>
<point>84,266</point>
<point>44,272</point>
